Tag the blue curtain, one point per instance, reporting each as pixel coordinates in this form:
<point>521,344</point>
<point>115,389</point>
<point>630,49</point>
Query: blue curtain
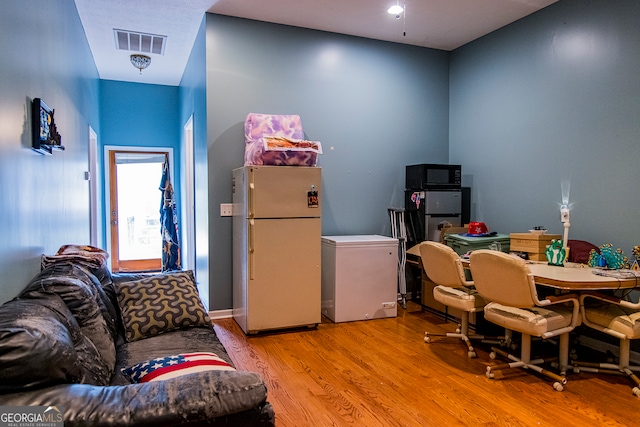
<point>169,224</point>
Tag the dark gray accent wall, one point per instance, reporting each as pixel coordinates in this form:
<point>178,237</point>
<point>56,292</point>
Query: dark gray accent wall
<point>553,97</point>
<point>374,106</point>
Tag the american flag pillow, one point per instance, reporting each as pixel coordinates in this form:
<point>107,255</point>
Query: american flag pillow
<point>167,367</point>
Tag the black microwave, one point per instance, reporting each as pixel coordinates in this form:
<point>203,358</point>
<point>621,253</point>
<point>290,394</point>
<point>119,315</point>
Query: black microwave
<point>433,177</point>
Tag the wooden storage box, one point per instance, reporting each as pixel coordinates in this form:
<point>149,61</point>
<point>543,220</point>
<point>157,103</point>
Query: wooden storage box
<point>534,244</point>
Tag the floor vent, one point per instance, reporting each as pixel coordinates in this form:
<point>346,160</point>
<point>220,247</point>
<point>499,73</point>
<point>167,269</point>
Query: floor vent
<point>139,42</point>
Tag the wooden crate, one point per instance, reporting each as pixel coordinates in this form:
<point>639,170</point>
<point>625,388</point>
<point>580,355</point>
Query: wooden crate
<point>532,243</point>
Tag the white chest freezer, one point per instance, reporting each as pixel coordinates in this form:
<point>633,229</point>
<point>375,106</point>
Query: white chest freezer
<point>359,277</point>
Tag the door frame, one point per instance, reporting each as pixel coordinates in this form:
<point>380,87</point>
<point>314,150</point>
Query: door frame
<point>188,241</point>
<point>94,212</point>
<point>107,179</point>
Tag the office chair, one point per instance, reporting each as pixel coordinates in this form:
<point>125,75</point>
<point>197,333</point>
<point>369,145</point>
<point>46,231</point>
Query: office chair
<point>616,317</point>
<point>506,281</point>
<point>443,266</point>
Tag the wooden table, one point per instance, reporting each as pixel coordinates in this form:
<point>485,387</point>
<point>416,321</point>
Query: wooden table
<point>578,277</point>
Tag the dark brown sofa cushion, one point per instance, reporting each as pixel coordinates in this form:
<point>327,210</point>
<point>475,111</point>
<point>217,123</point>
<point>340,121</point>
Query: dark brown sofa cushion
<point>41,345</point>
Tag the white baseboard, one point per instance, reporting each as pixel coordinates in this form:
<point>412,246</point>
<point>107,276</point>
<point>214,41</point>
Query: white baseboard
<point>602,346</point>
<point>221,314</point>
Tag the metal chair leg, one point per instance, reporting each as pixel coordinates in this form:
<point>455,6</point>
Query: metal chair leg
<point>623,367</point>
<point>462,333</point>
<point>525,362</point>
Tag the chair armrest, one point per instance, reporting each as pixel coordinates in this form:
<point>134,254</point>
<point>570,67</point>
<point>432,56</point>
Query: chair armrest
<point>612,299</point>
<point>565,298</point>
<point>555,299</point>
<point>600,296</point>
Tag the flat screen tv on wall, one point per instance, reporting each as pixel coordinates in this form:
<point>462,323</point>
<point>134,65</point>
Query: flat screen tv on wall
<point>45,133</point>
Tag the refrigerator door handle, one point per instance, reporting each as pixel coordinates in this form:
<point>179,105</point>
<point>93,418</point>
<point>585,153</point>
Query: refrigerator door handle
<point>251,248</point>
<point>252,188</point>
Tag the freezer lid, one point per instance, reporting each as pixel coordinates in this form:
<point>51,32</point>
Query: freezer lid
<point>284,191</point>
<point>359,240</point>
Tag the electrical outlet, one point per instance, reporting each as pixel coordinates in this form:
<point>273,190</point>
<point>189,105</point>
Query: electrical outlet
<point>226,209</point>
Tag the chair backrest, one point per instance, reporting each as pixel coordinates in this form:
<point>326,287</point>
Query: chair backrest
<point>442,264</point>
<point>580,250</point>
<point>502,278</point>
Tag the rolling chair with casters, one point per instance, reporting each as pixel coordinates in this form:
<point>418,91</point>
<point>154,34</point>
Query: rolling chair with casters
<point>616,317</point>
<point>506,281</point>
<point>444,267</point>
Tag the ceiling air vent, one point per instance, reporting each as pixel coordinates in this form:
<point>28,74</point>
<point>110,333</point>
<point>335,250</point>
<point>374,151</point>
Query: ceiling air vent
<point>139,42</point>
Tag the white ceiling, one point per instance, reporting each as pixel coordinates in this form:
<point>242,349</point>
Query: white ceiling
<point>438,24</point>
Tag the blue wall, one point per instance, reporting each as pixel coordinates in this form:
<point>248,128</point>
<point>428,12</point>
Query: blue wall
<point>553,97</point>
<point>144,115</point>
<point>141,115</point>
<point>45,199</point>
<point>193,103</point>
<point>375,106</point>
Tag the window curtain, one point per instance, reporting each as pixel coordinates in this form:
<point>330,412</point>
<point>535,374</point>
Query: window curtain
<point>169,223</point>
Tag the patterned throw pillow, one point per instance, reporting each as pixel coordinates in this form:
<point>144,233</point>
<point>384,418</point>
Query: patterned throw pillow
<point>167,367</point>
<point>160,303</point>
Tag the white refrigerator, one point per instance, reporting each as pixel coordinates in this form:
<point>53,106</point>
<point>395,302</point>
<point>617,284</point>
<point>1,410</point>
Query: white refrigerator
<point>276,247</point>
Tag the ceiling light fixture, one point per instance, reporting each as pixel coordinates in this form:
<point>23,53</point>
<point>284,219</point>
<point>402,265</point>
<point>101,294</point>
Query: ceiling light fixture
<point>396,9</point>
<point>140,61</point>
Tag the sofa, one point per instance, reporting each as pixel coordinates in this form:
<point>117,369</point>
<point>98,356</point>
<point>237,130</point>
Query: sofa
<point>120,350</point>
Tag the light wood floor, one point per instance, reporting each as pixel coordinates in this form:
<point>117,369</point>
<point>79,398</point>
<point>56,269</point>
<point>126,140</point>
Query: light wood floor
<point>381,373</point>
